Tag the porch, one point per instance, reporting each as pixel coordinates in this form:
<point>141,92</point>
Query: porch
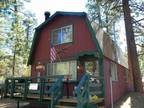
<point>55,91</point>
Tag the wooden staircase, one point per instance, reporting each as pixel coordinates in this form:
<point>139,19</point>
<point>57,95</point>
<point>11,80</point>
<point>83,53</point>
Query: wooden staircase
<point>65,102</point>
<point>71,102</point>
<point>95,86</point>
<point>88,86</point>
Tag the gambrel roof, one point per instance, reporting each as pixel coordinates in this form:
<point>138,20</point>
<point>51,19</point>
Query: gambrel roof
<point>51,18</point>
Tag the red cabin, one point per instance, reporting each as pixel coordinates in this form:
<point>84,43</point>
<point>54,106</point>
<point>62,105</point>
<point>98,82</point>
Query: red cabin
<point>66,43</point>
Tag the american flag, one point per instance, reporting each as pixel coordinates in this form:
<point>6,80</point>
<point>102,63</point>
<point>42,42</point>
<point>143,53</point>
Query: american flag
<point>52,54</point>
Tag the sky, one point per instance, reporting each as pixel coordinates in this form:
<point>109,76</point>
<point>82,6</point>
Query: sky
<point>40,6</point>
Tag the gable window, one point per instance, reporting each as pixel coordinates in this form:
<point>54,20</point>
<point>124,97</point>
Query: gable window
<point>62,35</point>
<point>113,71</point>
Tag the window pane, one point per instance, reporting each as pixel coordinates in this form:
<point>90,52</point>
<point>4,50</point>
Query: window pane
<point>62,68</point>
<point>73,68</point>
<point>62,35</point>
<point>57,38</point>
<point>67,34</point>
<point>89,67</point>
<point>113,68</point>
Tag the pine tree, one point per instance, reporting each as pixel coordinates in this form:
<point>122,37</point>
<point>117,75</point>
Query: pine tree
<point>19,26</point>
<point>131,46</point>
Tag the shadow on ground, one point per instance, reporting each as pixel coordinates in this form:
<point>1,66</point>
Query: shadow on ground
<point>9,103</point>
<point>131,100</point>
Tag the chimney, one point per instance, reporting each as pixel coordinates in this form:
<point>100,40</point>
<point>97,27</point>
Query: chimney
<point>47,14</point>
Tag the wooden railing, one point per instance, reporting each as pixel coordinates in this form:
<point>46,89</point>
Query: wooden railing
<point>82,92</point>
<point>56,91</point>
<point>35,87</point>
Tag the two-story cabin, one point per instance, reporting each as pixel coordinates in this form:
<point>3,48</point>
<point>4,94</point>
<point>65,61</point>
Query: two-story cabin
<point>66,43</point>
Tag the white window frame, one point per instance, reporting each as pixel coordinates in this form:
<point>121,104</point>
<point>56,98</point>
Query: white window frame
<point>61,28</point>
<point>113,71</point>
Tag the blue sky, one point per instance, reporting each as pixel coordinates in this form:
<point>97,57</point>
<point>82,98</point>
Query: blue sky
<point>40,6</point>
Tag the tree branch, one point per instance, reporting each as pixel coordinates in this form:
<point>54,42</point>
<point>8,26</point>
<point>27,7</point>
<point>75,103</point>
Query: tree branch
<point>139,20</point>
<point>137,23</point>
<point>140,45</point>
<point>140,54</point>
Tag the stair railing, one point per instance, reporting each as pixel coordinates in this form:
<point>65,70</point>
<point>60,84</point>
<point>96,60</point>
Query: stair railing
<point>82,92</point>
<point>56,91</point>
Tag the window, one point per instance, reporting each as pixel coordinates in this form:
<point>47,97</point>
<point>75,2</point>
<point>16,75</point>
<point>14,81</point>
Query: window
<point>113,71</point>
<point>92,67</point>
<point>63,68</point>
<point>62,35</point>
<point>89,67</point>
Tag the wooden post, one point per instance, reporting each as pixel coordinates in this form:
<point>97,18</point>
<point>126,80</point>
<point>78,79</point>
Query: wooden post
<point>111,90</point>
<point>67,86</point>
<point>18,104</point>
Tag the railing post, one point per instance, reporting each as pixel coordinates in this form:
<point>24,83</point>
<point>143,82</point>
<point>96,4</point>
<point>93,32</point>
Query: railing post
<point>6,88</point>
<point>41,89</point>
<point>25,88</point>
<point>18,104</point>
<point>52,100</point>
<point>67,87</point>
<point>12,87</point>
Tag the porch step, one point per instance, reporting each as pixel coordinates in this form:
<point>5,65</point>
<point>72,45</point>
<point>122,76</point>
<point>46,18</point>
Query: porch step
<point>68,100</point>
<point>95,85</point>
<point>61,106</point>
<point>98,93</point>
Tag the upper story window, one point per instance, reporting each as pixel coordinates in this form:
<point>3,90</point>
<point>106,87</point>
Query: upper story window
<point>62,35</point>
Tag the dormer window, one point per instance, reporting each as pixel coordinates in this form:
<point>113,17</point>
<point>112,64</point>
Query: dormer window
<point>62,35</point>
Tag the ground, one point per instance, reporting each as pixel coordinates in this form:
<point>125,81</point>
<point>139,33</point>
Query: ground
<point>130,100</point>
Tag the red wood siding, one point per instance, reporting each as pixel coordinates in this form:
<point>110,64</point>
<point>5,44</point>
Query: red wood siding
<point>120,87</point>
<point>82,40</point>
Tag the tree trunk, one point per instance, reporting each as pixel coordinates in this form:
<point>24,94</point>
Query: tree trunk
<point>131,46</point>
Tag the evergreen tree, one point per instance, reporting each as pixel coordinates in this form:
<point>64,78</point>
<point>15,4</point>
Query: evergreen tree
<point>19,25</point>
<point>122,7</point>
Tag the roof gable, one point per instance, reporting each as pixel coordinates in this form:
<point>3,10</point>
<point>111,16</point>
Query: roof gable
<point>50,19</point>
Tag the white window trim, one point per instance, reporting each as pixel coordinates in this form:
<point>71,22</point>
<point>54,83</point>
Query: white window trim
<point>61,32</point>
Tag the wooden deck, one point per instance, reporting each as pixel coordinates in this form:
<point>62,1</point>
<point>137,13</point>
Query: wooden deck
<point>74,100</point>
<point>34,97</point>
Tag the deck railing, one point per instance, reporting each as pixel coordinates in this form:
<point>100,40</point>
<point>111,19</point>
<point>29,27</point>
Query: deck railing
<point>56,91</point>
<point>35,87</point>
